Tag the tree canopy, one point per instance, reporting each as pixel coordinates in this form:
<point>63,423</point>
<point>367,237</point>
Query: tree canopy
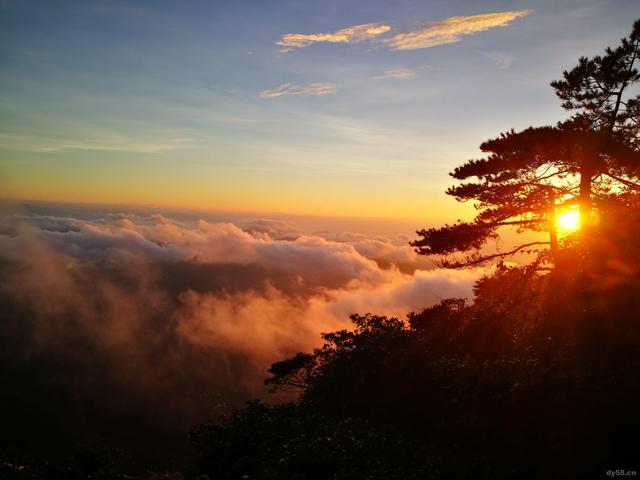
<point>528,177</point>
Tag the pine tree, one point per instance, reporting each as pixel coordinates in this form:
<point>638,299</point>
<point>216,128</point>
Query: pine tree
<point>597,91</point>
<point>518,184</point>
<point>527,176</point>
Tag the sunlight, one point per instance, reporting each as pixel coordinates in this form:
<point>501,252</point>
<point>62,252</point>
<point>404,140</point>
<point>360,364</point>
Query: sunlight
<point>569,221</point>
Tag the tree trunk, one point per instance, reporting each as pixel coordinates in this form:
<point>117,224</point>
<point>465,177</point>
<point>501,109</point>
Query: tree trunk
<point>553,231</point>
<point>585,191</point>
<point>585,209</point>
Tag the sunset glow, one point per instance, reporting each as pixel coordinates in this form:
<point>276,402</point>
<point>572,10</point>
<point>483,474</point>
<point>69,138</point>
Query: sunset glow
<point>236,236</point>
<point>322,110</point>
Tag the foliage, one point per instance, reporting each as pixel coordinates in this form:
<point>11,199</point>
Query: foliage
<point>595,88</point>
<point>97,462</point>
<point>528,176</point>
<point>287,441</point>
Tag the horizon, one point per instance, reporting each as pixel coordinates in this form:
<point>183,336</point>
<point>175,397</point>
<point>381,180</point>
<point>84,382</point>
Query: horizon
<point>207,106</point>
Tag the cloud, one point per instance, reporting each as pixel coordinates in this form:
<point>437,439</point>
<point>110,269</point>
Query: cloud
<point>402,295</point>
<point>398,73</point>
<point>431,34</point>
<point>272,229</point>
<point>317,89</point>
<point>100,142</point>
<point>157,238</point>
<point>451,30</point>
<point>355,33</point>
<point>167,315</point>
<point>500,59</point>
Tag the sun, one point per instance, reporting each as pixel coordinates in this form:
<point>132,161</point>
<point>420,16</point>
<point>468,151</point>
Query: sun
<point>569,221</point>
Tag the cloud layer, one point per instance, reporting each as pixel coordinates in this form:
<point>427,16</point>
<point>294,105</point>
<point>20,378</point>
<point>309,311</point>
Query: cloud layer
<point>153,319</point>
<point>96,142</point>
<point>316,89</point>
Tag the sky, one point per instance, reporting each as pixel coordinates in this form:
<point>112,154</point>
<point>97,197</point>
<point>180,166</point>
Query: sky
<point>342,108</point>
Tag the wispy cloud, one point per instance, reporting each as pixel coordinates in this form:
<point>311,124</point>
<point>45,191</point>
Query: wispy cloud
<point>431,34</point>
<point>397,73</point>
<point>355,33</point>
<point>106,143</point>
<point>451,30</point>
<point>317,89</point>
<point>500,59</point>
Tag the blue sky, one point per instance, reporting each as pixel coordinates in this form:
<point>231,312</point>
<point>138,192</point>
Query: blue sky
<point>168,103</point>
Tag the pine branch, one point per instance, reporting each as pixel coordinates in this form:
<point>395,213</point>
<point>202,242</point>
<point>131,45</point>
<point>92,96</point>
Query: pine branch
<point>475,261</point>
<point>623,181</point>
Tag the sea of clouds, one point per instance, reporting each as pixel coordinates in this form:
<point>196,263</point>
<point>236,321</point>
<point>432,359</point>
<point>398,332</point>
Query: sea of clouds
<point>156,319</point>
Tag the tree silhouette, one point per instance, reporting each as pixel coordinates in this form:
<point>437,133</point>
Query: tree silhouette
<point>527,176</point>
<point>597,91</point>
<point>517,184</point>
